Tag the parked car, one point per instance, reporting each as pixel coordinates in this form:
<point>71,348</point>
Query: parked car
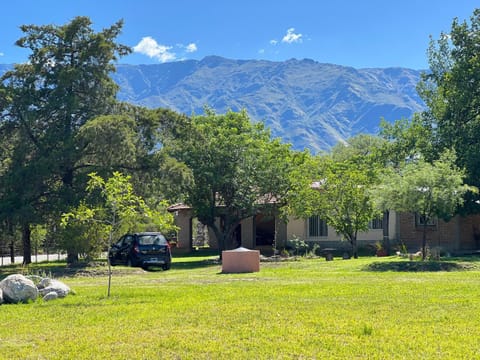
<point>141,249</point>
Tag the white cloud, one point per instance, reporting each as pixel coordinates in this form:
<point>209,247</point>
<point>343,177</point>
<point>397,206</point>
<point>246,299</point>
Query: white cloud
<point>261,51</point>
<point>291,37</point>
<point>149,46</point>
<point>2,54</point>
<point>273,42</point>
<point>190,48</point>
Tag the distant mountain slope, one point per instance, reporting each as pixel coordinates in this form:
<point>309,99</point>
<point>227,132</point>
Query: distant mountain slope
<point>306,103</point>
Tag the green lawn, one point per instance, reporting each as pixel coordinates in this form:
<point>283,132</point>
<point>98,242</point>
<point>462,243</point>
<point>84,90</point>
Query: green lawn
<point>306,309</point>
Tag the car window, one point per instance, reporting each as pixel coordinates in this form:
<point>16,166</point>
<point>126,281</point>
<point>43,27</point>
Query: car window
<point>119,242</point>
<point>155,239</point>
<point>127,240</point>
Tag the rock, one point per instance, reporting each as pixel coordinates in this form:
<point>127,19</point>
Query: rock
<point>47,285</point>
<point>52,295</point>
<point>17,288</point>
<point>35,278</point>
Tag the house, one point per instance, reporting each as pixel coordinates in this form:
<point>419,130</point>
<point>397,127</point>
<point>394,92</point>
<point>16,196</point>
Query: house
<point>459,235</point>
<point>263,231</point>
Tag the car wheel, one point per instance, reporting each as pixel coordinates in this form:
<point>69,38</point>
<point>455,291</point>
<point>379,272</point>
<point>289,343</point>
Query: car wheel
<point>166,267</point>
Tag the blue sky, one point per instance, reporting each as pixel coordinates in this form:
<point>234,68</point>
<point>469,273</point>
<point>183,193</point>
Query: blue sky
<point>368,33</point>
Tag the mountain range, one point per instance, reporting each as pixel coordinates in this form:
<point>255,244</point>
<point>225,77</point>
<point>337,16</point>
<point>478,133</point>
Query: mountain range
<point>306,103</point>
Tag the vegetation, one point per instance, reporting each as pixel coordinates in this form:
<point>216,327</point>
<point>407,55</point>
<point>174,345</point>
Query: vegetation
<point>60,121</point>
<point>451,91</point>
<point>119,211</point>
<point>237,169</point>
<point>43,104</point>
<point>429,190</point>
<point>301,309</point>
<point>337,188</point>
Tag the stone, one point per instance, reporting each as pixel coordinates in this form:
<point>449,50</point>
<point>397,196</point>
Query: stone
<point>47,285</point>
<point>17,288</point>
<point>52,295</point>
<point>35,278</point>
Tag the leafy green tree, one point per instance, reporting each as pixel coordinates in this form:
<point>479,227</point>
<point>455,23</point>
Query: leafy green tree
<point>43,104</point>
<point>406,140</point>
<point>131,141</point>
<point>119,210</point>
<point>428,189</point>
<point>363,147</point>
<point>451,91</point>
<point>237,170</point>
<point>337,189</point>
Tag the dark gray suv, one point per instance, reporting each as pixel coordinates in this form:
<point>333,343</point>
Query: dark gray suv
<point>141,249</point>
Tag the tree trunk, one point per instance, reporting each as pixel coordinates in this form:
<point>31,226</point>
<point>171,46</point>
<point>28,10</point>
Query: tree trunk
<point>11,246</point>
<point>354,246</point>
<point>26,241</point>
<point>12,251</point>
<point>220,238</point>
<point>424,241</point>
<point>224,236</point>
<point>72,257</point>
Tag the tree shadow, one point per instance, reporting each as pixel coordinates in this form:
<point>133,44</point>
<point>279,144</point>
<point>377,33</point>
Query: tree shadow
<point>53,269</point>
<point>196,264</point>
<point>419,266</point>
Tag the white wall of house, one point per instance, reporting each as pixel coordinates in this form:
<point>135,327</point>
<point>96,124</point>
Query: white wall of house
<point>299,228</point>
<point>293,228</point>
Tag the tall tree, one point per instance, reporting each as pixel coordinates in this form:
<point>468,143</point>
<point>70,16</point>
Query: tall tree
<point>237,170</point>
<point>43,104</point>
<point>428,189</point>
<point>451,91</point>
<point>406,140</point>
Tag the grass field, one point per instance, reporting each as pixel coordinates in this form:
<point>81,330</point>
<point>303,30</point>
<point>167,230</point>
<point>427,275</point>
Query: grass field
<point>305,309</point>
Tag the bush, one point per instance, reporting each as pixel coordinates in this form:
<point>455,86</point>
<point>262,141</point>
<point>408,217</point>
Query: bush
<point>298,246</point>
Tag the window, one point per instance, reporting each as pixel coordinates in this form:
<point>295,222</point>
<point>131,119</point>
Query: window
<point>376,224</point>
<point>317,227</point>
<point>155,239</point>
<point>421,220</point>
<point>127,240</point>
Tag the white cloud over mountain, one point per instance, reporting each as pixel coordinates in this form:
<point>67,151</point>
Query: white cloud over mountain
<point>190,48</point>
<point>291,37</point>
<point>149,46</point>
<point>163,53</point>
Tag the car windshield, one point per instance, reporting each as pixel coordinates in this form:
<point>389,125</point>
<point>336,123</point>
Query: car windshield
<point>152,239</point>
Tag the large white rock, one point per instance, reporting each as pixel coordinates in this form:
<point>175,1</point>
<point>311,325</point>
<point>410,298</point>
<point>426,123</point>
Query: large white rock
<point>17,288</point>
<point>47,285</point>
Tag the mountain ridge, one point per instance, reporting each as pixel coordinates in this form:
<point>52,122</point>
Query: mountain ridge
<point>309,104</point>
<point>306,103</point>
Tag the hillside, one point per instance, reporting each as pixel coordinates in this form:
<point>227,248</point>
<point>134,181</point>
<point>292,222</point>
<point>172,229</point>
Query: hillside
<point>309,104</point>
<point>306,103</point>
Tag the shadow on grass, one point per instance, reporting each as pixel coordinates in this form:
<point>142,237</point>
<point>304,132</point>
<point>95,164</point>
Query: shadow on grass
<point>55,269</point>
<point>58,269</point>
<point>420,266</point>
<point>185,265</point>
